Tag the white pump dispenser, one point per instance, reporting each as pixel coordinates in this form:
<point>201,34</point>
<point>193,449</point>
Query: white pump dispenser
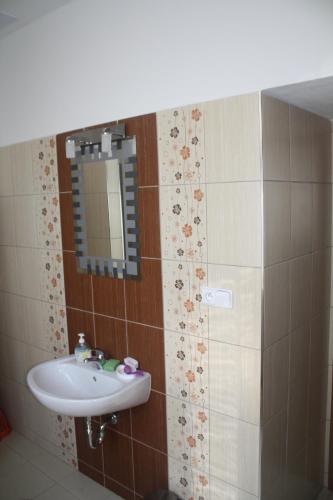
<point>82,350</point>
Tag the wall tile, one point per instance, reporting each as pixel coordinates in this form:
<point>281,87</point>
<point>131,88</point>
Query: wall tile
<point>67,227</point>
<point>109,298</point>
<point>321,262</point>
<point>48,222</point>
<point>301,215</point>
<point>13,317</point>
<point>22,168</point>
<point>274,451</point>
<point>153,415</point>
<point>299,354</point>
<point>13,359</point>
<point>300,145</point>
<point>9,275</point>
<point>234,224</point>
<point>182,297</point>
<point>321,149</point>
<point>240,325</point>
<point>119,489</point>
<point>25,220</point>
<point>45,165</point>
<point>52,276</point>
<point>232,139</point>
<point>110,336</point>
<point>237,465</point>
<point>152,358</point>
<point>187,367</point>
<point>275,139</point>
<point>181,156</point>
<point>223,491</point>
<point>7,226</point>
<point>89,456</point>
<point>77,286</point>
<point>275,378</point>
<point>150,469</point>
<point>188,482</point>
<point>300,276</point>
<point>149,222</point>
<point>6,180</point>
<point>184,222</point>
<point>234,381</point>
<point>90,472</point>
<point>297,416</point>
<point>78,322</point>
<point>277,222</point>
<point>321,216</point>
<point>276,302</point>
<point>29,269</point>
<point>188,434</point>
<point>144,296</point>
<point>118,462</point>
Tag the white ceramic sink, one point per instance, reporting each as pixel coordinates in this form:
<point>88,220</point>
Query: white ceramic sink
<point>81,390</point>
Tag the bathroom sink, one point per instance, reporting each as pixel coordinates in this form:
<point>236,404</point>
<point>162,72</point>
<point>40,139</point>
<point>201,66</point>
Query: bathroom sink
<point>81,390</point>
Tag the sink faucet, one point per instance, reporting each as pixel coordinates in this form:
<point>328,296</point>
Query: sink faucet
<point>96,357</point>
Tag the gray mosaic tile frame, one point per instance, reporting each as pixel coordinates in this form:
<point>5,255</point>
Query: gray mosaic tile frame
<point>125,151</point>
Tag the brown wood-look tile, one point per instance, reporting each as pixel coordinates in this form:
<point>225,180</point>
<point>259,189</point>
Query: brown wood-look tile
<point>149,422</point>
<point>109,296</point>
<point>144,128</point>
<point>146,344</point>
<point>77,285</point>
<point>79,322</point>
<point>67,223</point>
<point>149,223</point>
<point>150,469</point>
<point>119,489</point>
<point>94,474</point>
<point>111,336</point>
<point>144,296</point>
<point>118,463</point>
<point>124,422</point>
<point>64,165</point>
<point>88,455</point>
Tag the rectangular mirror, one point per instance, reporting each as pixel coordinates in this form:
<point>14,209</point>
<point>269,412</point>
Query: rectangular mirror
<point>104,186</point>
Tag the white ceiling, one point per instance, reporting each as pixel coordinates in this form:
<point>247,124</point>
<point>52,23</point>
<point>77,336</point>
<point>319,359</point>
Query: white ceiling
<point>315,96</point>
<point>14,14</point>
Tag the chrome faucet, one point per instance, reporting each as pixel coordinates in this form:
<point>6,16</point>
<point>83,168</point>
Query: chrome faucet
<point>97,356</point>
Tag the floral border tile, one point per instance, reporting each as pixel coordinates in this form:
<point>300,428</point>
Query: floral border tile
<point>188,483</point>
<point>182,299</point>
<point>45,166</point>
<point>188,433</point>
<point>181,145</point>
<point>66,438</point>
<point>186,359</point>
<point>55,328</point>
<point>52,285</point>
<point>183,222</point>
<point>48,221</point>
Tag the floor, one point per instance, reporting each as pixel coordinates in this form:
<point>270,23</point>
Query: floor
<point>27,472</point>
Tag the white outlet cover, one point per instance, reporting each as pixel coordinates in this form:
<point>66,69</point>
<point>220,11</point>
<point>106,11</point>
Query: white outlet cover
<point>217,297</point>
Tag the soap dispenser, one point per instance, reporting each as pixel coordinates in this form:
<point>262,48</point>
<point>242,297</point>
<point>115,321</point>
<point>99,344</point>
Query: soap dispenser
<point>82,350</point>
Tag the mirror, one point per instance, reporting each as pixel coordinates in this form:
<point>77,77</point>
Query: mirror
<point>104,186</point>
<point>104,215</point>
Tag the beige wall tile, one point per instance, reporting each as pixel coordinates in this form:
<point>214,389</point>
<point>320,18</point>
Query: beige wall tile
<point>300,279</point>
<point>29,272</point>
<point>25,216</point>
<point>276,302</point>
<point>298,485</point>
<point>297,416</point>
<point>300,145</point>
<point>329,393</point>
<point>240,325</point>
<point>6,179</point>
<point>13,359</point>
<point>234,381</point>
<point>301,218</point>
<point>275,378</point>
<point>13,316</point>
<point>232,139</point>
<point>7,227</point>
<point>223,491</point>
<point>8,269</point>
<point>21,155</point>
<point>230,462</point>
<point>321,216</point>
<point>321,149</point>
<point>234,223</point>
<point>299,354</point>
<point>273,452</point>
<point>321,267</point>
<point>277,222</point>
<point>275,139</point>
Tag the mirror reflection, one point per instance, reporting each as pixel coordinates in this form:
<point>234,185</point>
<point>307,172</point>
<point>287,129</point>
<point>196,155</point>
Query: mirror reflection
<point>103,208</point>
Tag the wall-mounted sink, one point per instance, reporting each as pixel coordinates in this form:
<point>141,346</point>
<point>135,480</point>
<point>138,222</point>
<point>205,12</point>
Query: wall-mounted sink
<point>80,390</point>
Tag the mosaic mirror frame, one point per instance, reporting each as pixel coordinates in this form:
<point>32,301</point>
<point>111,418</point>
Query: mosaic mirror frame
<point>124,150</point>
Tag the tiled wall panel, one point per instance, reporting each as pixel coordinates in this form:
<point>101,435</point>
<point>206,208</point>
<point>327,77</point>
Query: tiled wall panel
<point>32,296</point>
<point>297,227</point>
<point>210,206</point>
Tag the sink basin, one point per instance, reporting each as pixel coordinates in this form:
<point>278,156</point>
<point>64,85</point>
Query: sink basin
<point>80,390</point>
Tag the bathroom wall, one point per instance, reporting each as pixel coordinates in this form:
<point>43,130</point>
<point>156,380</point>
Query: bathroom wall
<point>33,325</point>
<point>297,261</point>
<point>200,196</point>
<point>124,317</point>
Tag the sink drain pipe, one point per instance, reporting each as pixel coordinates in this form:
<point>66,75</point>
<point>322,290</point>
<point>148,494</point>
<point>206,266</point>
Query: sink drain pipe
<point>96,440</point>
